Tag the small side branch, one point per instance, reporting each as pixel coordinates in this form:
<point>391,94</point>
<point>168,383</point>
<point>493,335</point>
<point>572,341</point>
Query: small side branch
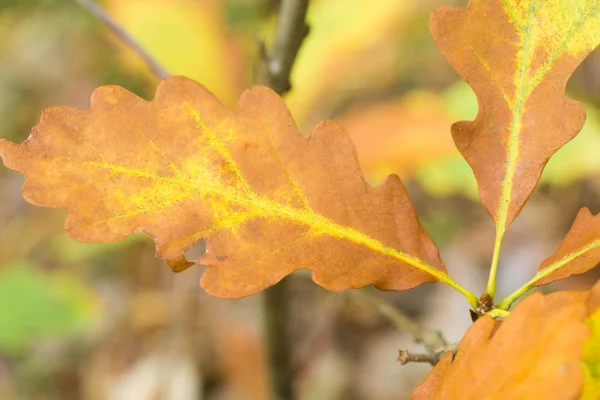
<point>432,340</point>
<point>95,10</point>
<point>289,34</point>
<point>404,356</point>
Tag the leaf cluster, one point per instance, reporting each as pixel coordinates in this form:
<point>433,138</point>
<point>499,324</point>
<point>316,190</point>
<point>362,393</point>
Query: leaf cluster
<point>268,201</point>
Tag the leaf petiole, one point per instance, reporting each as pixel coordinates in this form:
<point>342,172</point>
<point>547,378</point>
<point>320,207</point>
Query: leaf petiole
<point>491,285</point>
<point>471,298</point>
<point>498,313</point>
<point>514,296</point>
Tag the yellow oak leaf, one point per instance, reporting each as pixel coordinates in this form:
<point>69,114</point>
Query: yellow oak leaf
<point>268,201</point>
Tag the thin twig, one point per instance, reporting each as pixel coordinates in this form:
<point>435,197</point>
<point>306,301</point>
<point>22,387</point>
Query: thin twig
<point>289,34</point>
<point>404,356</point>
<point>95,10</point>
<point>432,340</point>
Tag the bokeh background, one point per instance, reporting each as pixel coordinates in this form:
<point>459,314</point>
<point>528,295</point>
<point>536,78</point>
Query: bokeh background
<point>110,321</point>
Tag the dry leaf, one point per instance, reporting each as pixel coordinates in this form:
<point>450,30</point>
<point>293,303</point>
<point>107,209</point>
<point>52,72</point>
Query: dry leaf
<point>517,56</point>
<point>183,167</point>
<point>579,251</point>
<point>535,353</point>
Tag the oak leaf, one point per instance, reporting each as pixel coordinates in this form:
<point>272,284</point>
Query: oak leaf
<point>517,56</point>
<point>535,353</point>
<point>579,251</point>
<point>451,175</point>
<point>268,201</point>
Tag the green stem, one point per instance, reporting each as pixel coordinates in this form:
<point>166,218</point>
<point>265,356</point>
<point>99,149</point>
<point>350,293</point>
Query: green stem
<point>514,296</point>
<point>471,298</point>
<point>498,313</point>
<point>491,286</point>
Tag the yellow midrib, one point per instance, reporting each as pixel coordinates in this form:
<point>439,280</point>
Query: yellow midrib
<point>306,216</point>
<point>219,147</point>
<point>525,87</point>
<point>269,208</point>
<point>516,125</point>
<point>564,261</point>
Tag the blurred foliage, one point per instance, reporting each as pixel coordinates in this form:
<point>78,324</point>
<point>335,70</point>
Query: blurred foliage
<point>38,305</point>
<point>69,251</point>
<point>331,64</point>
<point>202,51</point>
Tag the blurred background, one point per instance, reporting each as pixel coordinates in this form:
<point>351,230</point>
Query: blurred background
<point>110,321</point>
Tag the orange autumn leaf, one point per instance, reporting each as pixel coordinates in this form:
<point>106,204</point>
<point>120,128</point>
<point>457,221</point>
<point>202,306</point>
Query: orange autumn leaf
<point>268,201</point>
<point>517,56</point>
<point>535,353</point>
<point>579,251</point>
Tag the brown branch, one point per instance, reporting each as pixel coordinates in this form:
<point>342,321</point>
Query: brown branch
<point>404,356</point>
<point>275,72</point>
<point>289,34</point>
<point>432,340</point>
<point>95,10</point>
<point>278,307</point>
